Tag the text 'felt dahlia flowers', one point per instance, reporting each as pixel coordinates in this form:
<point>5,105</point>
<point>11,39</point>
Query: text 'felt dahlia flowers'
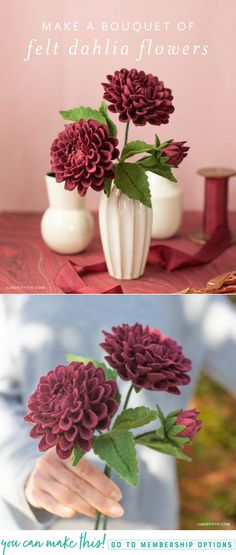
<point>85,153</point>
<point>73,406</point>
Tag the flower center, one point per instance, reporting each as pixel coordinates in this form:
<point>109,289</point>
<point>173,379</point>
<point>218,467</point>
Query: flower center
<point>62,398</point>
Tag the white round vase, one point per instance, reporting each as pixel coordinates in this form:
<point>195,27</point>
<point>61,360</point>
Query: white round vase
<point>66,227</point>
<point>166,205</point>
<point>125,228</point>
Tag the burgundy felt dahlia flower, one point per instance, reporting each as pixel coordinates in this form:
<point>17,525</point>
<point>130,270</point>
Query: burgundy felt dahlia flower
<point>82,155</point>
<point>68,405</point>
<point>145,357</point>
<point>176,152</point>
<point>139,97</point>
<point>188,418</point>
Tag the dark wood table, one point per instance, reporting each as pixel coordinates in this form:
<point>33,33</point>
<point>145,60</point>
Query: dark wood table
<point>28,266</point>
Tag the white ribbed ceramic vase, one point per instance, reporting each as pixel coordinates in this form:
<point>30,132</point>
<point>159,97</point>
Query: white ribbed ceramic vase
<point>125,228</point>
<point>166,205</point>
<point>66,227</point>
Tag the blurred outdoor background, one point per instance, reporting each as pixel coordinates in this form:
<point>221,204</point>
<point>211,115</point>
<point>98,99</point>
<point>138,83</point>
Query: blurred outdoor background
<point>208,484</point>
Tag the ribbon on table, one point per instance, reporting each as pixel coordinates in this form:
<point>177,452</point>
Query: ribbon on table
<point>69,279</point>
<point>173,259</point>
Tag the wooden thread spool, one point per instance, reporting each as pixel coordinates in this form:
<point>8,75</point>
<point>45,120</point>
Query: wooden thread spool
<point>216,203</point>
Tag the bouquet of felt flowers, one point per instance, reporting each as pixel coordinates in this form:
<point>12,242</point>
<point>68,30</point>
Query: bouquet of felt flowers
<point>87,154</point>
<point>74,407</point>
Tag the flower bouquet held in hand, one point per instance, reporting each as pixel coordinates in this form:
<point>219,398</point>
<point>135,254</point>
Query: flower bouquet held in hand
<point>74,408</point>
<point>87,154</point>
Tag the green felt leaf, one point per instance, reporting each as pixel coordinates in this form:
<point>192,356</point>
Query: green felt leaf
<point>169,423</point>
<point>158,166</point>
<point>117,449</point>
<point>136,147</point>
<point>161,414</point>
<point>166,143</point>
<point>131,180</point>
<point>133,418</point>
<point>77,455</point>
<point>83,112</point>
<point>174,413</point>
<point>110,124</point>
<point>163,160</point>
<point>107,186</point>
<point>147,437</point>
<point>150,161</point>
<point>165,170</point>
<point>160,433</point>
<point>175,430</point>
<point>179,440</point>
<point>165,447</point>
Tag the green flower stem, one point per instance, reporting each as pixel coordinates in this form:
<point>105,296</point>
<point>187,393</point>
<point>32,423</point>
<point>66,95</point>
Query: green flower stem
<point>107,470</point>
<point>97,521</point>
<point>126,132</point>
<point>107,473</point>
<point>145,434</point>
<point>128,397</point>
<point>105,520</point>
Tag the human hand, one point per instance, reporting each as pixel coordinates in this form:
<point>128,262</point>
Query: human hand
<point>57,487</point>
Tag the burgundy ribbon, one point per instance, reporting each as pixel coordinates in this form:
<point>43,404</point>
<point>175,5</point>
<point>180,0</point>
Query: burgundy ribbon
<point>215,210</point>
<point>69,279</point>
<point>172,259</point>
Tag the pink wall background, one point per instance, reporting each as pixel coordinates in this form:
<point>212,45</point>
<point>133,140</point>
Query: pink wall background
<point>32,93</point>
